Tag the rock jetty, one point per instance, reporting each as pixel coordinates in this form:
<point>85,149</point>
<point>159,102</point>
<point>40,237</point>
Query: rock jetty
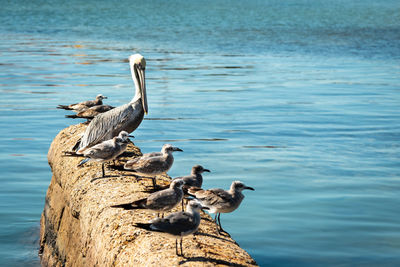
<point>79,228</point>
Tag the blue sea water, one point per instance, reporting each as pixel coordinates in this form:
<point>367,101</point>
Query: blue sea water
<point>298,99</point>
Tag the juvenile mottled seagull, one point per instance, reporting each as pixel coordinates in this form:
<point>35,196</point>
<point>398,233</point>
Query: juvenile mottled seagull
<point>105,151</point>
<point>194,179</point>
<point>91,112</point>
<point>153,163</point>
<point>220,201</point>
<point>84,105</point>
<point>160,201</point>
<point>178,224</point>
<point>123,118</point>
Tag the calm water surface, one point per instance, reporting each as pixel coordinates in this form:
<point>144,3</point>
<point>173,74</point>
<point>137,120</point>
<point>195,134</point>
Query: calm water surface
<point>299,99</point>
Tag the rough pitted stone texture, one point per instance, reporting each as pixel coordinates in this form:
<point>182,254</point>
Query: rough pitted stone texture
<point>79,228</point>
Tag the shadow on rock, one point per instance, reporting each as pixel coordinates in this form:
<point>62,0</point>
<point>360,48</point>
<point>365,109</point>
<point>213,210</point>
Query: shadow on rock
<point>215,261</point>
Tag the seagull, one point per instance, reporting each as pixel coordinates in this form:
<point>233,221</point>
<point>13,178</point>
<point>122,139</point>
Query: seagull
<point>194,179</point>
<point>91,112</point>
<point>153,163</point>
<point>178,224</point>
<point>220,201</point>
<point>160,201</point>
<point>84,105</point>
<point>106,150</point>
<point>123,118</point>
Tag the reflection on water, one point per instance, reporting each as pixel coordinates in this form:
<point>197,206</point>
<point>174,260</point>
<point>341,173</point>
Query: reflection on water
<point>288,102</point>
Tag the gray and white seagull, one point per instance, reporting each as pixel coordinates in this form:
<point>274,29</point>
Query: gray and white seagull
<point>91,112</point>
<point>84,105</point>
<point>153,163</point>
<point>105,151</point>
<point>160,201</point>
<point>178,224</point>
<point>220,200</point>
<point>194,179</point>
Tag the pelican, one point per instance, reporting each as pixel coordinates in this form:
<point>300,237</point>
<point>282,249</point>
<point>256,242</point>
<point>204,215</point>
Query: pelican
<point>194,179</point>
<point>123,118</point>
<point>221,201</point>
<point>84,105</point>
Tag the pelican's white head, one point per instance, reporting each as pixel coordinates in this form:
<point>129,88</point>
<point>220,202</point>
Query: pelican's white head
<point>137,64</point>
<point>137,59</point>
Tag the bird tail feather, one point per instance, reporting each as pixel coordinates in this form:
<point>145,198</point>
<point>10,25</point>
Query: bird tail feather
<point>191,191</point>
<point>83,161</point>
<point>64,107</point>
<point>146,226</point>
<point>138,204</point>
<point>71,116</point>
<point>77,144</point>
<point>71,154</point>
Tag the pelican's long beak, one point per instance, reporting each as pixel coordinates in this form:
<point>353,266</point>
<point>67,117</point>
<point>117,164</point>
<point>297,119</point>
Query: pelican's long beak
<point>142,84</point>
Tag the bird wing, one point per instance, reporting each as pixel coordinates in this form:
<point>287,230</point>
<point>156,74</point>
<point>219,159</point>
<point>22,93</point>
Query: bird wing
<point>131,163</point>
<point>213,196</point>
<point>190,180</point>
<point>79,107</point>
<point>74,104</point>
<point>87,113</point>
<point>88,103</point>
<point>175,223</point>
<point>136,162</point>
<point>165,199</point>
<point>101,108</point>
<point>100,151</point>
<point>152,154</point>
<point>103,125</point>
<point>148,163</point>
